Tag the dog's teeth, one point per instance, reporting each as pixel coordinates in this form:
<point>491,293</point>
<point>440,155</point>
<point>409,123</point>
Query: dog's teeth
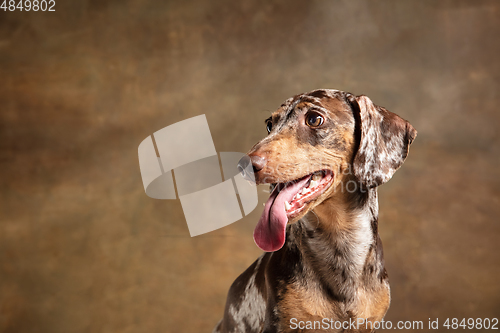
<point>316,176</point>
<point>305,190</point>
<point>313,183</point>
<point>287,205</point>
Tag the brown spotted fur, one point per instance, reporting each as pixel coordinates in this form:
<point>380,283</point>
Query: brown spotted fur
<point>331,265</point>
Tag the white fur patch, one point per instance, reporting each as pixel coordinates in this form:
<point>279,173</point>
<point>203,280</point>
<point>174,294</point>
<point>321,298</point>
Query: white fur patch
<point>252,307</point>
<point>362,240</point>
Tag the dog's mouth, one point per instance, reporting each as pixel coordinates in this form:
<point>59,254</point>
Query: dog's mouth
<point>287,202</point>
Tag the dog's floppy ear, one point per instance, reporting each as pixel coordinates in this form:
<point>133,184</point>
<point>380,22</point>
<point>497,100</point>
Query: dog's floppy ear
<point>384,141</point>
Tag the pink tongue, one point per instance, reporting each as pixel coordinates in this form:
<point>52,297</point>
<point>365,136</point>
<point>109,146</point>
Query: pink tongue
<point>269,234</point>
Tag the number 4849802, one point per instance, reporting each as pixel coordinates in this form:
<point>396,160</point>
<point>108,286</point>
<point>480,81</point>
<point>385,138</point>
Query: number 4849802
<point>472,323</point>
<point>27,5</point>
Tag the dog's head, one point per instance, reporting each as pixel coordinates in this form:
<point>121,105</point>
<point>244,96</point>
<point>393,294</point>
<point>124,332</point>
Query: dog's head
<point>319,144</point>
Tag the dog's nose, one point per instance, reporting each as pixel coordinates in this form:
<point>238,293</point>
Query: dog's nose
<point>257,163</point>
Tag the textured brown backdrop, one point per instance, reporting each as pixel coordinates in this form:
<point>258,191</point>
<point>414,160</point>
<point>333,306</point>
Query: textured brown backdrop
<point>83,249</point>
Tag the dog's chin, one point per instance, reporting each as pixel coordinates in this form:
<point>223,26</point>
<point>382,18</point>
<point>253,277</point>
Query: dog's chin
<point>310,195</point>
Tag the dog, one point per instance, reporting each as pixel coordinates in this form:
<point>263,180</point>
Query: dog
<point>325,154</point>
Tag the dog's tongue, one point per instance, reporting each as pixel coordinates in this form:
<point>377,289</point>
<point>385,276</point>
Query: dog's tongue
<point>269,234</point>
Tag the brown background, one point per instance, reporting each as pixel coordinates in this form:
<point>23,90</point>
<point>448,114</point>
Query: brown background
<point>83,249</point>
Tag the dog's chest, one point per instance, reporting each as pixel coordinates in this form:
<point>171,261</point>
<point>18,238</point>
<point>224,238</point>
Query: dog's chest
<point>301,303</point>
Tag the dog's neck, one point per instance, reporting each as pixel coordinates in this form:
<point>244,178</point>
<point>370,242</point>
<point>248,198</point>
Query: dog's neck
<point>342,243</point>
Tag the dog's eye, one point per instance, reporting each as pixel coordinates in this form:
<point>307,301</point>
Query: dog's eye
<point>314,120</point>
<point>269,126</point>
